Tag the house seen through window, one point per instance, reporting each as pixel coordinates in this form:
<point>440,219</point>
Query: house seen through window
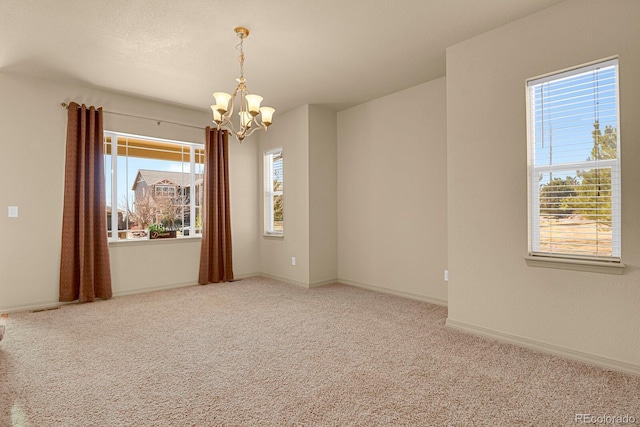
<point>154,184</point>
<point>574,164</point>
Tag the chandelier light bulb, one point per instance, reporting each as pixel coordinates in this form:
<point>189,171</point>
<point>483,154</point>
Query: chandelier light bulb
<point>254,104</point>
<point>217,117</point>
<point>267,115</point>
<point>222,101</point>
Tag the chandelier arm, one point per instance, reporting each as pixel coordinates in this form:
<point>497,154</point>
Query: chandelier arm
<point>258,127</point>
<point>241,133</point>
<point>260,124</point>
<point>228,124</point>
<point>251,132</point>
<point>232,104</point>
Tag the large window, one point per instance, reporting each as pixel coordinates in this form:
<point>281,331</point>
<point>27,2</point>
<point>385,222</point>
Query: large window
<point>574,163</point>
<point>153,184</point>
<point>273,192</point>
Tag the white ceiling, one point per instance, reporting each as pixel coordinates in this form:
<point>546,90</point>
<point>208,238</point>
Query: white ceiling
<point>333,52</point>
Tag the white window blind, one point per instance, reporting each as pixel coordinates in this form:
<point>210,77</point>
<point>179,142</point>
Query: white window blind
<point>574,163</point>
<point>274,192</point>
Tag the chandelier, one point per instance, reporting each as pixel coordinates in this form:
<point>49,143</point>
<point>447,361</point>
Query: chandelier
<point>251,116</point>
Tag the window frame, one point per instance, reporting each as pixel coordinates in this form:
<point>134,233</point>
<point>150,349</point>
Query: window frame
<point>269,193</point>
<point>113,173</point>
<point>573,261</point>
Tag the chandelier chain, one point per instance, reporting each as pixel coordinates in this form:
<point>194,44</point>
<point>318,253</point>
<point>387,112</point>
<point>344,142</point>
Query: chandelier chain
<point>240,47</point>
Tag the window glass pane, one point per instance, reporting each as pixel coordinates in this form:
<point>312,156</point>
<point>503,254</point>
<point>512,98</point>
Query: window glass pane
<point>278,182</point>
<point>274,192</point>
<point>575,213</point>
<point>277,214</point>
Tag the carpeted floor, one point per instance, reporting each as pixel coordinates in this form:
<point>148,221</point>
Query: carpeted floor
<point>259,352</point>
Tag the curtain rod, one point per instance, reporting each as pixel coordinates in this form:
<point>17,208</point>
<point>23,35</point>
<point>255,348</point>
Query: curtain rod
<point>66,107</point>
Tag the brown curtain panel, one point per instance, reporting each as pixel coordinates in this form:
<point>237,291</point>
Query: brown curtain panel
<point>84,266</point>
<point>215,255</point>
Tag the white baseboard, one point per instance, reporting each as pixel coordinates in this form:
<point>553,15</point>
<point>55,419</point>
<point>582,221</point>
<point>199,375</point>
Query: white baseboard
<point>285,280</point>
<point>591,359</point>
<point>56,304</point>
<point>323,282</point>
<point>153,289</point>
<point>298,283</point>
<point>175,286</point>
<point>295,282</point>
<point>244,276</point>
<point>410,295</point>
<point>33,307</point>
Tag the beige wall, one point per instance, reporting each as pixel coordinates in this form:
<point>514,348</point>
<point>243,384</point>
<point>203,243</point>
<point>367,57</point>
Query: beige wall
<point>392,202</point>
<point>593,316</point>
<point>307,136</point>
<point>291,132</point>
<point>32,171</point>
<point>323,208</point>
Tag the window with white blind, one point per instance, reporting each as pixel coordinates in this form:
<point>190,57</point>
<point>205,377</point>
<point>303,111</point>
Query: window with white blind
<point>273,192</point>
<point>574,163</point>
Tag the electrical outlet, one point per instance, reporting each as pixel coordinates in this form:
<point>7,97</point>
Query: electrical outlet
<point>293,260</point>
<point>446,275</point>
<point>13,212</point>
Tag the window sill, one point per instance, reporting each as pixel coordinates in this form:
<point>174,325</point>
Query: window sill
<point>274,236</point>
<point>144,242</point>
<point>576,264</point>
